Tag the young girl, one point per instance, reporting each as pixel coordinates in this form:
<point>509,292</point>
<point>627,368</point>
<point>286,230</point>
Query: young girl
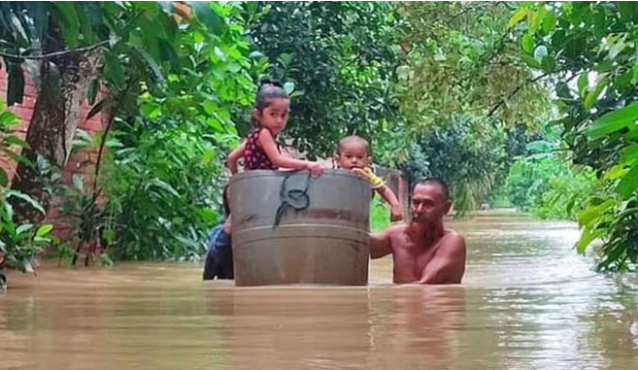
<point>259,150</point>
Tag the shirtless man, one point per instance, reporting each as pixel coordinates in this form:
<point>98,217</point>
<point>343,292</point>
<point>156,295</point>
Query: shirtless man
<point>424,251</point>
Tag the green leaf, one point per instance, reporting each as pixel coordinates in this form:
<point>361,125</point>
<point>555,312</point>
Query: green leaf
<point>533,21</point>
<point>70,23</point>
<point>583,83</point>
<point>151,110</point>
<point>4,178</point>
<point>14,140</point>
<point>208,16</point>
<point>16,157</point>
<point>530,61</point>
<point>289,87</point>
<point>540,53</point>
<point>591,213</point>
<point>26,198</point>
<point>23,228</point>
<point>528,43</point>
<point>549,22</point>
<point>100,106</point>
<point>629,154</point>
<point>613,121</point>
<point>517,17</point>
<point>208,156</point>
<point>586,238</point>
<point>162,185</point>
<point>78,183</point>
<point>8,118</point>
<point>152,65</point>
<point>629,184</point>
<point>593,95</point>
<point>15,84</point>
<point>616,172</point>
<point>215,125</point>
<point>93,90</point>
<point>44,230</point>
<point>26,266</point>
<point>209,107</point>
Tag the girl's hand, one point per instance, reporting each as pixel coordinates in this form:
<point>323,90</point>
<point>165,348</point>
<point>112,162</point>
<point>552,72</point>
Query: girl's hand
<point>315,169</point>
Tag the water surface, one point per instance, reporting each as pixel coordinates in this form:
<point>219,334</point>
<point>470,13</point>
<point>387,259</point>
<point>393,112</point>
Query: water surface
<point>527,302</point>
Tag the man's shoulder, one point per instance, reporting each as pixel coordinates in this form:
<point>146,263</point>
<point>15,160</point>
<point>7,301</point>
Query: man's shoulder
<point>398,229</point>
<point>454,238</point>
<point>453,234</point>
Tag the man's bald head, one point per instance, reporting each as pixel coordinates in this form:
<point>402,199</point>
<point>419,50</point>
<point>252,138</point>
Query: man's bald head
<point>430,201</point>
<point>434,181</point>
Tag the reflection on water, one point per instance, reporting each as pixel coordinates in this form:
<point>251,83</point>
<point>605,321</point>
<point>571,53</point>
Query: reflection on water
<point>528,302</point>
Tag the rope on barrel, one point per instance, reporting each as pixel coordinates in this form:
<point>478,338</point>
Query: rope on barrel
<point>297,199</point>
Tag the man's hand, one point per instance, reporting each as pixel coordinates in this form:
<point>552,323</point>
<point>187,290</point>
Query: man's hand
<point>448,264</point>
<point>396,213</point>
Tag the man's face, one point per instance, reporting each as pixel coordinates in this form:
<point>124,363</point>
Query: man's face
<point>429,204</point>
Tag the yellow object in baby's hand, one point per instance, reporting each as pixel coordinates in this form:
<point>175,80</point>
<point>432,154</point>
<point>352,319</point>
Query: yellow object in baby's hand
<point>366,173</point>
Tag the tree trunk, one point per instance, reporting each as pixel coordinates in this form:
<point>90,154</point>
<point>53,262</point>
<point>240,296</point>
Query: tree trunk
<point>64,86</point>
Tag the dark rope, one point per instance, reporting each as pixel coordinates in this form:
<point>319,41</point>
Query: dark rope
<point>297,199</point>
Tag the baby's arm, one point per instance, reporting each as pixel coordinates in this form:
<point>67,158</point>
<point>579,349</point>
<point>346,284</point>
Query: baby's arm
<point>267,143</point>
<point>234,156</point>
<point>396,209</point>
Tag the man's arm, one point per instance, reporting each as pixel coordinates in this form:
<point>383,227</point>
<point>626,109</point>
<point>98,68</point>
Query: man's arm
<point>448,264</point>
<point>380,245</point>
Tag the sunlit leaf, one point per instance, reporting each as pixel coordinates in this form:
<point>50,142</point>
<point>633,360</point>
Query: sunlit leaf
<point>613,121</point>
<point>518,17</point>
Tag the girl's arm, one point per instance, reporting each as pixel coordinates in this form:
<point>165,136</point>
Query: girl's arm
<point>396,210</point>
<point>269,146</point>
<point>234,156</point>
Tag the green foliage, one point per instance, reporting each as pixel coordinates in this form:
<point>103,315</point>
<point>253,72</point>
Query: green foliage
<point>341,57</point>
<point>160,183</point>
<point>466,153</point>
<point>19,242</point>
<point>463,61</point>
<point>379,215</point>
<point>162,172</point>
<point>594,44</point>
<point>545,184</point>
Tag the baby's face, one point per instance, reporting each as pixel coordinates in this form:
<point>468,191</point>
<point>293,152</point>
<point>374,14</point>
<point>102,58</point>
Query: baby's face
<point>352,155</point>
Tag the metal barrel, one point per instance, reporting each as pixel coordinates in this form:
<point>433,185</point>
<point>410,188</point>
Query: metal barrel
<point>322,235</point>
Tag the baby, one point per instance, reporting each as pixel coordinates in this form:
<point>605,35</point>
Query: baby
<point>353,154</point>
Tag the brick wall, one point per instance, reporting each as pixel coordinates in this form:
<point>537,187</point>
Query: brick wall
<point>24,111</point>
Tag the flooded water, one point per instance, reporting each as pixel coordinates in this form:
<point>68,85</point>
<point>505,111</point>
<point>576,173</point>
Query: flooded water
<point>527,302</point>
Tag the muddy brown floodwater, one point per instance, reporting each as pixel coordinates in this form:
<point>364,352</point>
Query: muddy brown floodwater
<point>527,302</point>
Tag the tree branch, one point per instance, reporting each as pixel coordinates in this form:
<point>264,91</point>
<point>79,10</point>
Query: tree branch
<point>516,90</point>
<point>56,54</point>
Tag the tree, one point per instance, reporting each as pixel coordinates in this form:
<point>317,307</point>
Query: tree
<point>465,95</point>
<point>340,57</point>
<point>70,48</point>
<point>589,49</point>
<point>463,60</point>
<point>467,153</point>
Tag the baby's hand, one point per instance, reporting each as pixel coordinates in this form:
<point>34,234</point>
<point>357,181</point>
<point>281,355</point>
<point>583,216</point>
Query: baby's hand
<point>361,173</point>
<point>315,169</point>
<point>396,213</point>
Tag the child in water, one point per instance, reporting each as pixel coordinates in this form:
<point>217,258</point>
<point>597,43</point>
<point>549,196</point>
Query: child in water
<point>259,150</point>
<point>219,256</point>
<point>353,154</point>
